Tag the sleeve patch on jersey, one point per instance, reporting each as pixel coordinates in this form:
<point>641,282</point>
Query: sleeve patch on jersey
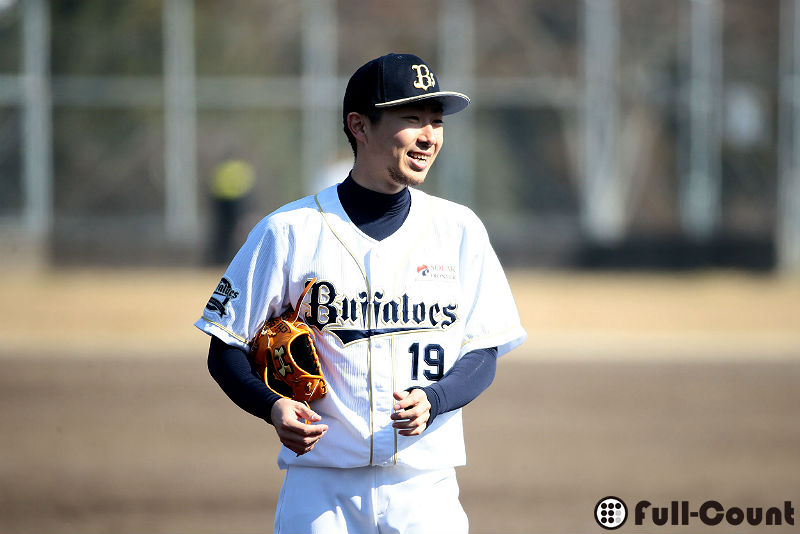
<point>224,292</point>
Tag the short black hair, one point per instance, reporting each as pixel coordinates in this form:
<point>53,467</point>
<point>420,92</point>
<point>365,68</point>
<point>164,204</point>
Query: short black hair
<point>374,115</point>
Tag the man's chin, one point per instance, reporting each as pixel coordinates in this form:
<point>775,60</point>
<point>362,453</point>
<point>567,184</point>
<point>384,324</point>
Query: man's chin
<point>407,179</point>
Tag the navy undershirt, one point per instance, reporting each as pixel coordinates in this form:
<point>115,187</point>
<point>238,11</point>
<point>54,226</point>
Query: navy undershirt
<point>378,215</point>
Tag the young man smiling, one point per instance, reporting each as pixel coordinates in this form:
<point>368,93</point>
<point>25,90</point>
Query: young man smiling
<point>410,310</point>
<point>398,148</point>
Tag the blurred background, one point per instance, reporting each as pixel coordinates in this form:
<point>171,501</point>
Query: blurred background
<point>642,133</point>
<point>637,166</point>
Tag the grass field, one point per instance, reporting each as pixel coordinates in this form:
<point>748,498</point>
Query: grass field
<point>646,387</point>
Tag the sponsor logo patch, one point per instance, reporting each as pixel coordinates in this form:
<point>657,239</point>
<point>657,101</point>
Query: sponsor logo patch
<point>438,272</point>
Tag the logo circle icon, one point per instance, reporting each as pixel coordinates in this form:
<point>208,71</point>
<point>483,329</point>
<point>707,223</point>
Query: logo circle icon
<point>610,512</point>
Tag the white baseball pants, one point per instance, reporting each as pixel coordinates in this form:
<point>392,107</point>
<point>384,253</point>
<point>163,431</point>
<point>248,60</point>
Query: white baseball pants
<point>369,500</point>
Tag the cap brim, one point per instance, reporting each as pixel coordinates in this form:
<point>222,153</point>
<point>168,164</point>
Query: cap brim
<point>452,102</point>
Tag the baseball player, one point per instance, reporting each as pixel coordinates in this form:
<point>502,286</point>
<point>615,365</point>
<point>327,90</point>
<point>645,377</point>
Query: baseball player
<point>409,307</point>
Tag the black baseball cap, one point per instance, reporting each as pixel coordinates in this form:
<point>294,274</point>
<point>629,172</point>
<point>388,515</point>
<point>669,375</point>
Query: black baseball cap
<point>395,80</point>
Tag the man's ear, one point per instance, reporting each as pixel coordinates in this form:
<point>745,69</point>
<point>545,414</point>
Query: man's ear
<point>358,125</point>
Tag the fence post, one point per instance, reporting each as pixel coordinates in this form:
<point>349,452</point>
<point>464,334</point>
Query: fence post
<point>700,181</point>
<point>788,223</point>
<point>37,129</point>
<point>602,196</point>
<point>180,111</point>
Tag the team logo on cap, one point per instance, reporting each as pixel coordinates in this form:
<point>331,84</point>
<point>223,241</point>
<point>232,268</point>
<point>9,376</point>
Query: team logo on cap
<point>425,78</point>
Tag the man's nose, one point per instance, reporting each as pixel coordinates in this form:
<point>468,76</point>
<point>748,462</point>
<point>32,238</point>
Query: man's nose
<point>427,134</point>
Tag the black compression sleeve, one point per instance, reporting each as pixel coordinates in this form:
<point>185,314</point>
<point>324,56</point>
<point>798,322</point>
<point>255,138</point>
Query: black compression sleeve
<point>231,369</point>
<point>467,379</point>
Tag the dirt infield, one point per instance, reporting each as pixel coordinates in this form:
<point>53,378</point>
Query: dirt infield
<point>647,388</point>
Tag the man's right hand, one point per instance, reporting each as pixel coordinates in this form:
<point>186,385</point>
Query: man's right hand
<point>292,421</point>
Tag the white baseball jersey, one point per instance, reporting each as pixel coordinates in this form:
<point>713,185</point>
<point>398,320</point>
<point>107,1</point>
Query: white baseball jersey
<point>387,315</point>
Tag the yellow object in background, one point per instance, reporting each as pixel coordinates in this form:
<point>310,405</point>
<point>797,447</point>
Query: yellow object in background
<point>232,179</point>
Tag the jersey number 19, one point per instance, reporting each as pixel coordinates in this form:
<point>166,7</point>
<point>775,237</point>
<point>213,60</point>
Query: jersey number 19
<point>433,355</point>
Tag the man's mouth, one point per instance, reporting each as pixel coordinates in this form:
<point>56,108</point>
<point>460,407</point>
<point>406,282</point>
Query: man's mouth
<point>420,159</point>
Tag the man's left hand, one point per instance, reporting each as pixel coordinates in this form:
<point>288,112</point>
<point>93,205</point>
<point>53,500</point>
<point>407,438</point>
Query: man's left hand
<point>411,412</point>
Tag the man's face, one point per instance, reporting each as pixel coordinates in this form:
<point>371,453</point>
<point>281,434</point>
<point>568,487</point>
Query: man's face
<point>404,143</point>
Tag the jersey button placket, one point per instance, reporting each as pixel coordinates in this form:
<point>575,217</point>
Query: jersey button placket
<point>381,367</point>
<point>383,401</point>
